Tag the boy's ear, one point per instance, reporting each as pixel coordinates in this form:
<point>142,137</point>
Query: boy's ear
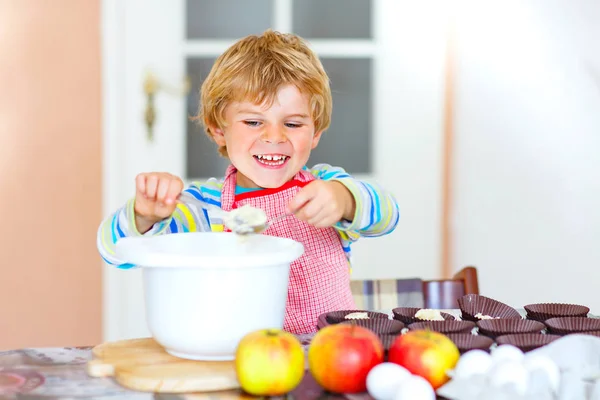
<point>218,135</point>
<point>316,138</point>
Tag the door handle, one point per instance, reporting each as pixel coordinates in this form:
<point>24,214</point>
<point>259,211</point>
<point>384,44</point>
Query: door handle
<point>151,87</point>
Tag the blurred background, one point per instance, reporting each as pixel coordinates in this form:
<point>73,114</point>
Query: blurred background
<point>483,118</point>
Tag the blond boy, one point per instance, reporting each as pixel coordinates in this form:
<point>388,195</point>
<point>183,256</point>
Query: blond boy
<point>266,104</point>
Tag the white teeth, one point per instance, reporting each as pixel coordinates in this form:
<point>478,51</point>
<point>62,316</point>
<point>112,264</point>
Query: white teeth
<point>270,157</point>
<point>273,160</point>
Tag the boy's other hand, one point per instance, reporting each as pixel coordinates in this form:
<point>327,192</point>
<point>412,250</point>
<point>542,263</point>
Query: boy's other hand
<point>156,196</point>
<point>323,203</point>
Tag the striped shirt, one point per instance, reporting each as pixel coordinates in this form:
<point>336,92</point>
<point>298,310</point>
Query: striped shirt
<point>376,214</point>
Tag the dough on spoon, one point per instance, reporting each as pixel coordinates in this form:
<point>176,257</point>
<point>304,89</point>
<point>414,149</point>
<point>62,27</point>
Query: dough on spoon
<point>243,220</point>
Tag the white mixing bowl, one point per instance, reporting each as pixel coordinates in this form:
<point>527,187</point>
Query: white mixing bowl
<point>205,291</point>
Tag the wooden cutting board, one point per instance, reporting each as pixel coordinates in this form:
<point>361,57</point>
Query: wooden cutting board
<point>143,364</point>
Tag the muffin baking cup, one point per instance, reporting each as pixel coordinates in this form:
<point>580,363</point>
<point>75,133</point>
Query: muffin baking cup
<point>526,341</point>
<point>466,342</point>
<point>380,326</point>
<point>407,315</point>
<point>498,327</point>
<point>566,325</point>
<point>322,321</point>
<point>387,341</point>
<point>448,326</point>
<point>473,304</point>
<point>335,317</point>
<point>544,311</point>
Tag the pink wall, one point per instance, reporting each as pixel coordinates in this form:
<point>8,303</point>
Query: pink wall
<point>50,160</point>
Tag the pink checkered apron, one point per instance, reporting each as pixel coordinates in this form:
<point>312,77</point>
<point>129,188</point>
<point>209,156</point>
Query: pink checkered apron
<point>320,279</point>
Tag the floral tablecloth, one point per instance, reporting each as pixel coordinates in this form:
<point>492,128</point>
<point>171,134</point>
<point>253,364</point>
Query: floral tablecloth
<point>60,373</point>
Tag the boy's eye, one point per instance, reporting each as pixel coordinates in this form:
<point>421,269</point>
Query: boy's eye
<point>252,123</point>
<point>293,125</point>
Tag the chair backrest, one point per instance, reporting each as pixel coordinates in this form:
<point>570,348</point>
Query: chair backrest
<point>377,295</point>
<point>469,276</point>
<point>386,294</point>
<point>443,294</point>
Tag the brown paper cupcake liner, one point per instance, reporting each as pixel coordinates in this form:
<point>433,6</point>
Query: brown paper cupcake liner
<point>498,327</point>
<point>449,326</point>
<point>335,317</point>
<point>566,325</point>
<point>544,311</point>
<point>465,342</point>
<point>322,321</point>
<point>387,341</point>
<point>407,315</point>
<point>378,325</point>
<point>472,304</point>
<point>526,341</point>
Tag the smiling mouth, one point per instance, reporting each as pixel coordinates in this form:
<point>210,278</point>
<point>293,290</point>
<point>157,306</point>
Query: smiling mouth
<point>271,159</point>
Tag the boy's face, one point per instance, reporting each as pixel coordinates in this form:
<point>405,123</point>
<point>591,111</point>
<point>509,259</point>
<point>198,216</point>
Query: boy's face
<point>269,145</point>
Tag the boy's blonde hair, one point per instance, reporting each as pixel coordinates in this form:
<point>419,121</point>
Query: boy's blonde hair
<point>254,69</point>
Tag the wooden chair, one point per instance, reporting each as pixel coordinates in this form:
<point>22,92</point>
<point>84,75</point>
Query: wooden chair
<point>390,293</point>
<point>385,294</point>
<point>442,294</point>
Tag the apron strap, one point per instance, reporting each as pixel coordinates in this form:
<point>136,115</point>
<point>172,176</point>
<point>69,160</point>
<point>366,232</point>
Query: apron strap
<point>266,192</point>
<point>228,196</point>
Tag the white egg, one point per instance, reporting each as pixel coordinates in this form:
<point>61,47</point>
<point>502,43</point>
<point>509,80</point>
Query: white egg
<point>509,372</point>
<point>535,362</point>
<point>384,379</point>
<point>473,362</point>
<point>415,388</point>
<point>507,352</point>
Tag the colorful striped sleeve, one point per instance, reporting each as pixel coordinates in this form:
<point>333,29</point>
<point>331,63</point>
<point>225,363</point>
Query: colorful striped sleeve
<point>376,212</point>
<point>191,215</point>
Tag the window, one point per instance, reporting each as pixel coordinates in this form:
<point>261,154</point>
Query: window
<point>345,46</point>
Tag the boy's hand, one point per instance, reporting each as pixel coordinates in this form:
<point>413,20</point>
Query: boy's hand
<point>323,203</point>
<point>156,196</point>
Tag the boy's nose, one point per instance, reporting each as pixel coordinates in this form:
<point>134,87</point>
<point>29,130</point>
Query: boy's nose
<point>273,134</point>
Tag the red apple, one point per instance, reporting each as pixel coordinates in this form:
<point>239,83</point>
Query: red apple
<point>425,353</point>
<point>340,357</point>
<point>269,362</point>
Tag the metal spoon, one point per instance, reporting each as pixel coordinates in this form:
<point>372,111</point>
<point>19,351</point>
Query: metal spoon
<point>241,227</point>
<point>262,228</point>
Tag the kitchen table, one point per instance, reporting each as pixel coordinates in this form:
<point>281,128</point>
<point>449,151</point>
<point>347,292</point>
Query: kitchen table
<point>60,373</point>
